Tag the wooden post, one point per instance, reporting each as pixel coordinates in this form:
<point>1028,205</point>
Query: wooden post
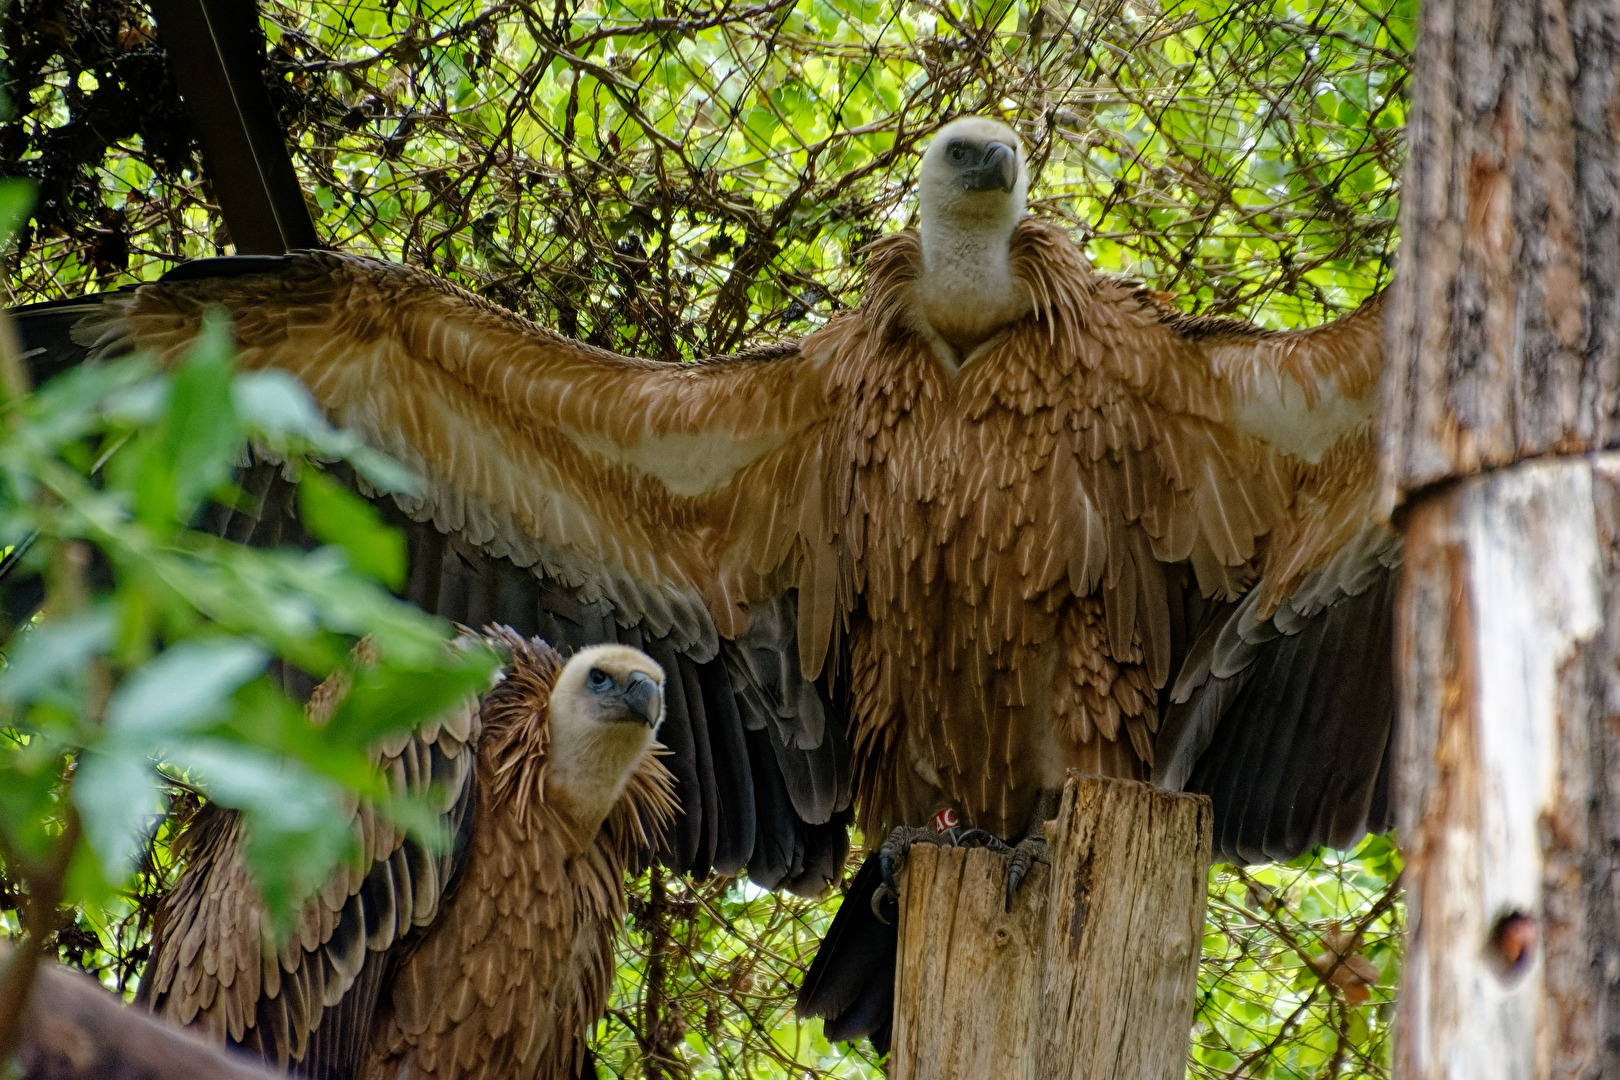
<point>1093,974</point>
<point>1502,391</point>
<point>1507,759</point>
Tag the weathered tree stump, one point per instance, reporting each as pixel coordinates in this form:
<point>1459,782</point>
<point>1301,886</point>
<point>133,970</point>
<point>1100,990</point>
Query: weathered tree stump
<point>1091,976</point>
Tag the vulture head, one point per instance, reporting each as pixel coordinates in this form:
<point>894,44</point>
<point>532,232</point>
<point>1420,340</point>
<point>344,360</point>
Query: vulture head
<point>970,199</point>
<point>605,711</point>
<point>573,737</point>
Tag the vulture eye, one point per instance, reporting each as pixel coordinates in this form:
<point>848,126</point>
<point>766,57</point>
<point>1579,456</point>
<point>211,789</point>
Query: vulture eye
<point>598,680</point>
<point>958,152</point>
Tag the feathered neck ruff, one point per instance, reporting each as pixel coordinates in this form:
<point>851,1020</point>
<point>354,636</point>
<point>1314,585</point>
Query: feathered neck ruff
<point>1044,260</point>
<point>514,750</point>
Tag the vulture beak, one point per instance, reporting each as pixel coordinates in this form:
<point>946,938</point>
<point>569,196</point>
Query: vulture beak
<point>996,171</point>
<point>642,699</point>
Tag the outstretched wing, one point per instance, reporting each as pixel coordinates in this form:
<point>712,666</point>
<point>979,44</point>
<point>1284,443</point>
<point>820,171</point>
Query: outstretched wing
<point>1282,708</point>
<point>1174,439</point>
<point>571,493</point>
<point>308,1005</point>
<point>1249,456</point>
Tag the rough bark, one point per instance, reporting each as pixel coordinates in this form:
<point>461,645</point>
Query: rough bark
<point>1503,358</point>
<point>1504,318</point>
<point>1093,974</point>
<point>968,971</point>
<point>75,1030</point>
<point>1506,642</point>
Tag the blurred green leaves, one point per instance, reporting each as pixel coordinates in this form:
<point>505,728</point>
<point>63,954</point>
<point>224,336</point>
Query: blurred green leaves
<point>155,643</point>
<point>16,200</point>
<point>335,515</point>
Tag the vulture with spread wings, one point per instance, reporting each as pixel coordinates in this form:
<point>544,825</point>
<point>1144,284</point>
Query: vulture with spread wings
<point>1006,518</point>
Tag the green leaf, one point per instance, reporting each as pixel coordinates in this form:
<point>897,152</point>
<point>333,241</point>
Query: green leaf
<point>16,200</point>
<point>195,447</point>
<point>297,825</point>
<point>45,655</point>
<point>263,716</point>
<point>383,472</point>
<point>28,788</point>
<point>77,401</point>
<point>274,402</point>
<point>335,515</point>
<point>184,688</point>
<point>118,793</point>
<point>383,700</point>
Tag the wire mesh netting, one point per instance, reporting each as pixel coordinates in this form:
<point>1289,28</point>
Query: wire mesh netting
<point>678,179</point>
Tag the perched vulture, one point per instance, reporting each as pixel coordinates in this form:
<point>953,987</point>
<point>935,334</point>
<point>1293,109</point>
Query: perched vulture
<point>489,959</point>
<point>1005,518</point>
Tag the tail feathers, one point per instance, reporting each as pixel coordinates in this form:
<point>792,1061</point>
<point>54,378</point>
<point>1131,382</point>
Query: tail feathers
<point>850,984</point>
<point>871,1014</point>
<point>826,847</point>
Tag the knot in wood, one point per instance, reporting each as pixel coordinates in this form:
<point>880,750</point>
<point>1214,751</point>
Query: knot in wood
<point>1512,944</point>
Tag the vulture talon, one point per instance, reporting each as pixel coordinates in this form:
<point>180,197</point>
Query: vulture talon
<point>1025,854</point>
<point>892,855</point>
<point>980,838</point>
<point>884,892</point>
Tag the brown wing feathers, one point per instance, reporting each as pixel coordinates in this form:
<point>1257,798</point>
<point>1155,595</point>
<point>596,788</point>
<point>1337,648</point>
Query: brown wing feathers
<point>215,964</point>
<point>785,825</point>
<point>971,552</point>
<point>489,959</point>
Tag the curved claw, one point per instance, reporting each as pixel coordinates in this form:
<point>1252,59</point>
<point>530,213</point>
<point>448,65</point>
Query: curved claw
<point>889,867</point>
<point>883,893</point>
<point>893,852</point>
<point>979,838</point>
<point>1025,855</point>
<point>1015,878</point>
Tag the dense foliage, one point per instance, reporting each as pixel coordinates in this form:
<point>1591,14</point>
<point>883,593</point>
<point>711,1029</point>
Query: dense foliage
<point>680,177</point>
<point>140,653</point>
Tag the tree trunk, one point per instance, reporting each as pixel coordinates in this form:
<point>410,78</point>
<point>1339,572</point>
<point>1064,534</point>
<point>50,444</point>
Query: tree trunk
<point>1504,319</point>
<point>1503,358</point>
<point>1093,974</point>
<point>1508,676</point>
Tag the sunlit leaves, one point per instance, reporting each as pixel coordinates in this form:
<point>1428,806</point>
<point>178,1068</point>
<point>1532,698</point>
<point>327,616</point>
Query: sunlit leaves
<point>16,200</point>
<point>1271,1004</point>
<point>191,449</point>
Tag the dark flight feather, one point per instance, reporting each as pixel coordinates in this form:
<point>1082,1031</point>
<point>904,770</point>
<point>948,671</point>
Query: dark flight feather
<point>1293,747</point>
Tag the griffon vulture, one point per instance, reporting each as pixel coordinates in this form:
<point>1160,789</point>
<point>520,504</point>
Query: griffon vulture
<point>489,959</point>
<point>1005,518</point>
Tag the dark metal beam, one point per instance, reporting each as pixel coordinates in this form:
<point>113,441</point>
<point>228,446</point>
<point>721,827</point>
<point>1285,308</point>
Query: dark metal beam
<point>216,51</point>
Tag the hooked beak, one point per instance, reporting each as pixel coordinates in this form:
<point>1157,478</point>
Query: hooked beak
<point>997,171</point>
<point>642,699</point>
